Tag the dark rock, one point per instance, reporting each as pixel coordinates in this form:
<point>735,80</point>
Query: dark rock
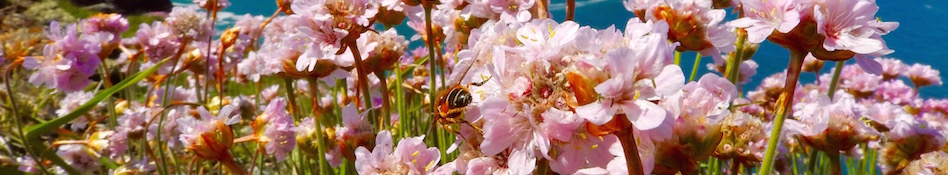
<point>128,7</point>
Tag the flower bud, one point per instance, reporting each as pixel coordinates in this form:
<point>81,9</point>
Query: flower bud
<point>284,6</point>
<point>229,37</point>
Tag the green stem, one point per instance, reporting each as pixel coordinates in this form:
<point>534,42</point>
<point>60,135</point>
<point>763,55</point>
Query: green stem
<point>432,90</point>
<point>784,104</point>
<point>677,58</point>
<point>811,162</point>
<point>871,165</point>
<point>793,164</point>
<point>11,98</point>
<point>291,96</point>
<point>694,69</point>
<point>734,61</point>
<point>835,82</point>
<point>400,102</point>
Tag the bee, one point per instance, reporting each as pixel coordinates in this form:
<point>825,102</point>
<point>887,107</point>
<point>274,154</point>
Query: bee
<point>452,102</point>
<point>875,124</point>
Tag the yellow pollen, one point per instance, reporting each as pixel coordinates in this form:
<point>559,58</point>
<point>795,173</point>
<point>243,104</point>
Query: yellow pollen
<point>430,165</point>
<point>636,97</point>
<point>552,32</point>
<point>594,146</point>
<point>582,135</point>
<point>414,154</point>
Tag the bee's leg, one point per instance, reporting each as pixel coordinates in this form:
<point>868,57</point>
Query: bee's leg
<point>479,130</point>
<point>482,82</point>
<point>434,124</point>
<point>458,133</point>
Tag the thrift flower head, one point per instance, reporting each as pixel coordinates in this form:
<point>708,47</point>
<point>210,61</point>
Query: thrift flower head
<point>158,40</point>
<point>891,68</point>
<point>113,24</point>
<point>69,61</point>
<point>279,132</point>
<point>410,157</point>
<point>923,75</point>
<point>908,139</point>
<point>764,17</point>
<point>188,22</point>
<point>78,157</point>
<point>695,25</point>
<point>846,25</point>
<point>71,103</point>
<point>930,163</point>
<point>209,137</point>
<point>213,4</point>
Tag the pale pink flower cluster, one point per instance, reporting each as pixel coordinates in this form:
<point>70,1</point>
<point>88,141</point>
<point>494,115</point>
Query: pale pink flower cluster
<point>694,23</point>
<point>69,61</point>
<point>410,156</point>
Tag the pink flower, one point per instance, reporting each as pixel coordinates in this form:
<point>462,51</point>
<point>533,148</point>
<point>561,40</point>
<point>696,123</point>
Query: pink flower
<point>622,92</point>
<point>896,92</point>
<point>158,40</point>
<point>78,157</point>
<point>695,25</point>
<point>188,22</point>
<point>520,9</point>
<point>113,24</point>
<point>506,128</point>
<point>891,68</point>
<point>351,12</point>
<point>256,65</point>
<point>584,151</point>
<point>935,105</point>
<point>27,164</point>
<point>854,79</point>
<point>763,17</point>
<point>420,158</point>
<point>280,132</point>
<point>249,25</point>
<point>923,75</point>
<point>560,125</point>
<point>221,4</point>
<point>846,25</point>
<point>544,39</point>
<point>69,61</point>
<point>379,160</point>
<point>71,102</point>
<point>192,128</point>
<point>702,103</point>
<point>355,127</point>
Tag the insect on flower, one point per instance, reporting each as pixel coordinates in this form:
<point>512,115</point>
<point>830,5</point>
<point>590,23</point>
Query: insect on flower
<point>452,102</point>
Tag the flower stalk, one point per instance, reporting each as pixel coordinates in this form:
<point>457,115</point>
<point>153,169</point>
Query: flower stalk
<point>784,103</point>
<point>835,82</point>
<point>571,10</point>
<point>627,139</point>
<point>363,78</point>
<point>734,60</point>
<point>432,90</point>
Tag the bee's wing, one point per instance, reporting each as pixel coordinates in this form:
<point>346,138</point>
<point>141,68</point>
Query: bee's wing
<point>466,59</point>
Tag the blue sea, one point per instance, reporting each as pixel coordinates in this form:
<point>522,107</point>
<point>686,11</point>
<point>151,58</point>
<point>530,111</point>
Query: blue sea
<point>922,36</point>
